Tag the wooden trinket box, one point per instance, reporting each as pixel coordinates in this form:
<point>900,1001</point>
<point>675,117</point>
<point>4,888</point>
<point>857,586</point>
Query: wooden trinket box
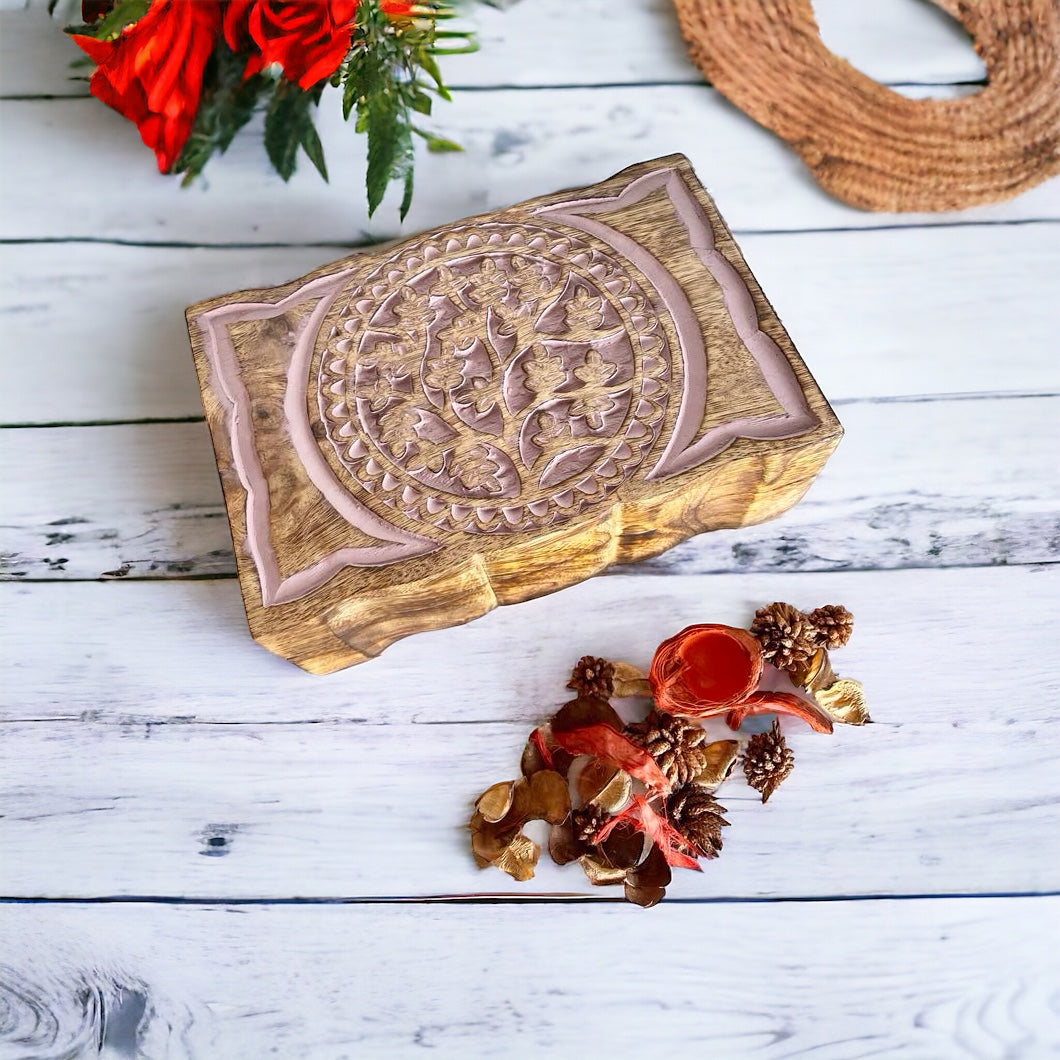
<point>497,409</point>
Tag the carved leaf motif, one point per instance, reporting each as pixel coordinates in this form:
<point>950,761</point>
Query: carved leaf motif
<point>544,372</point>
<point>476,470</point>
<point>444,373</point>
<point>397,426</point>
<point>489,285</point>
<point>376,392</point>
<point>595,371</point>
<point>529,280</point>
<point>549,428</point>
<point>584,311</point>
<point>462,331</point>
<point>413,311</point>
<point>390,359</point>
<point>428,456</point>
<point>482,396</point>
<point>593,407</point>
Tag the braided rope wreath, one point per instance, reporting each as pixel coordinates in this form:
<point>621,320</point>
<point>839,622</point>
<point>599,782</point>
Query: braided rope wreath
<point>871,146</point>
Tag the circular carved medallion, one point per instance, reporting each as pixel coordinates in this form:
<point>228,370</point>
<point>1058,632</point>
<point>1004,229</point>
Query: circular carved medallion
<point>493,379</point>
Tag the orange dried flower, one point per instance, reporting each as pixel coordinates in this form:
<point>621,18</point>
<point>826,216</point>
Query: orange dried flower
<point>705,670</point>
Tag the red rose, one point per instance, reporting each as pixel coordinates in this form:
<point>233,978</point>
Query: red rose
<point>705,670</point>
<point>152,73</point>
<point>308,38</point>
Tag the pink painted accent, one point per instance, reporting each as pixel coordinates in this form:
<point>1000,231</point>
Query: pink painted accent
<point>683,452</point>
<point>394,544</point>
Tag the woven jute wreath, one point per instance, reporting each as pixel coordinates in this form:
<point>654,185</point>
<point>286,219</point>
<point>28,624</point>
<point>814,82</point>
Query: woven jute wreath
<point>871,146</point>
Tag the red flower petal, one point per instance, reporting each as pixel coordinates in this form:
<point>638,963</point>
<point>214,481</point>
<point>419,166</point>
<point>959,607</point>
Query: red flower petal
<point>779,703</point>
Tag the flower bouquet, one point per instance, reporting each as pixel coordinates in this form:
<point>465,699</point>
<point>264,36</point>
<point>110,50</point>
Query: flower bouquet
<point>190,73</point>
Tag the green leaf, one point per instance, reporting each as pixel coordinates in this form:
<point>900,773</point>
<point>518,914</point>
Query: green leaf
<point>313,147</point>
<point>122,14</point>
<point>383,132</point>
<point>283,129</point>
<point>289,126</point>
<point>439,145</point>
<point>225,107</point>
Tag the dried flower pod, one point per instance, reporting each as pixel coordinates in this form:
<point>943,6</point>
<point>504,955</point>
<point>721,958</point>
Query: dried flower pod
<point>600,874</point>
<point>593,677</point>
<point>519,858</point>
<point>815,673</point>
<point>787,636</point>
<point>833,623</point>
<point>495,802</point>
<point>767,761</point>
<point>697,815</point>
<point>704,670</point>
<point>630,680</point>
<point>586,821</point>
<point>844,700</point>
<point>721,756</point>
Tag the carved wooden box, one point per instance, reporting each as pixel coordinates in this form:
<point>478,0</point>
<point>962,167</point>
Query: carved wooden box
<point>497,409</point>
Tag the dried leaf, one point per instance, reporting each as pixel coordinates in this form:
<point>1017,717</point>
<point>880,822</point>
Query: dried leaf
<point>582,712</point>
<point>489,841</point>
<point>624,847</point>
<point>603,741</point>
<point>779,703</point>
<point>815,674</point>
<point>495,802</point>
<point>519,858</point>
<point>599,874</point>
<point>645,897</point>
<point>563,848</point>
<point>630,681</point>
<point>549,797</point>
<point>721,758</point>
<point>844,700</point>
<point>652,872</point>
<point>615,795</point>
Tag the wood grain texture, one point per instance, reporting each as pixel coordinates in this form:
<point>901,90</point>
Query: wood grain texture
<point>977,980</point>
<point>515,143</point>
<point>118,663</point>
<point>161,760</point>
<point>901,292</point>
<point>270,783</point>
<point>955,482</point>
<point>551,42</point>
<point>497,409</point>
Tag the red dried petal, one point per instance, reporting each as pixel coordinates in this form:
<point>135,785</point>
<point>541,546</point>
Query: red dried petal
<point>602,741</point>
<point>779,703</point>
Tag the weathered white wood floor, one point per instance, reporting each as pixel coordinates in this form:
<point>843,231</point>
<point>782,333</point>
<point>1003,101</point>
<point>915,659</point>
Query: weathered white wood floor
<point>205,852</point>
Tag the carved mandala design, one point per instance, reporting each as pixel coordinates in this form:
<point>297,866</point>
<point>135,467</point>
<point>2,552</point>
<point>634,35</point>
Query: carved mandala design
<point>493,379</point>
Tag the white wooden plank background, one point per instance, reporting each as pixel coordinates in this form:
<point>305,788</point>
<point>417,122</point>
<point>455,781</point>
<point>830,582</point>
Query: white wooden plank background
<point>150,751</point>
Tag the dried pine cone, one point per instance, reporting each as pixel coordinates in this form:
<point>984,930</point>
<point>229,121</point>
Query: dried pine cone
<point>676,746</point>
<point>833,623</point>
<point>767,761</point>
<point>787,636</point>
<point>593,677</point>
<point>697,815</point>
<point>586,822</point>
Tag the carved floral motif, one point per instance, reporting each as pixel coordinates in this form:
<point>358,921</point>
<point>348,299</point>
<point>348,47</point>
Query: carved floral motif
<point>494,379</point>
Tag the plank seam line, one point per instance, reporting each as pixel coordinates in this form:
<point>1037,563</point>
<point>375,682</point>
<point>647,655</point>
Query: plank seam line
<point>372,241</point>
<point>517,899</point>
<point>618,571</point>
<point>571,86</point>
